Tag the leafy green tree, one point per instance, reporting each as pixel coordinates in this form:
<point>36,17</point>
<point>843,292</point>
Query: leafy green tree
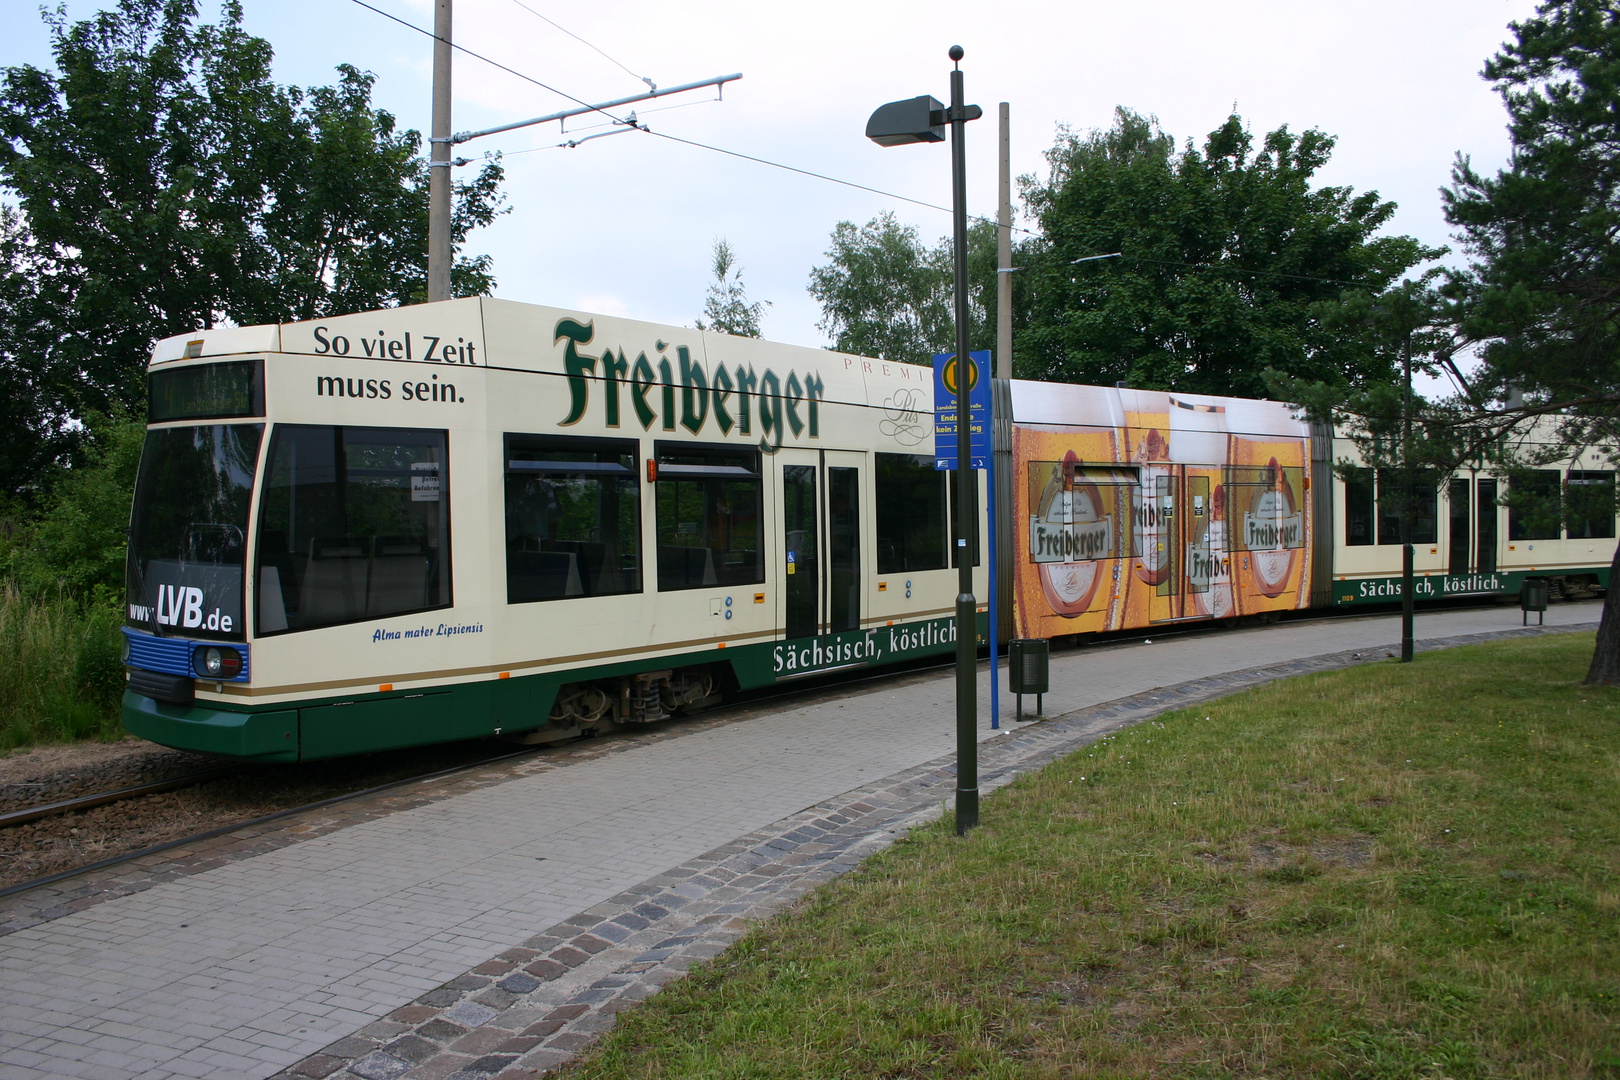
<point>1227,253</point>
<point>167,184</point>
<point>34,428</point>
<point>1541,293</point>
<point>76,542</point>
<point>885,293</point>
<point>726,306</point>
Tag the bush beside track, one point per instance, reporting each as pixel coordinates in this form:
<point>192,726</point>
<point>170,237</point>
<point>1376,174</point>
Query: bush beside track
<point>1386,871</point>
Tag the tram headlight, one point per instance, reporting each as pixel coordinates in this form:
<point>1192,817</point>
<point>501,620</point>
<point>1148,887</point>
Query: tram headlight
<point>217,662</point>
<point>123,648</point>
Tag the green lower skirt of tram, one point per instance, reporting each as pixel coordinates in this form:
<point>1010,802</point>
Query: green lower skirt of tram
<point>1500,583</point>
<point>363,723</point>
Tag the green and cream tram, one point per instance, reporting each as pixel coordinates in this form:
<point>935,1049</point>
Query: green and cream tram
<point>481,517</point>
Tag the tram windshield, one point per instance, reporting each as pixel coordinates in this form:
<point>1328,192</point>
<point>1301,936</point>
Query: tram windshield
<point>183,573</point>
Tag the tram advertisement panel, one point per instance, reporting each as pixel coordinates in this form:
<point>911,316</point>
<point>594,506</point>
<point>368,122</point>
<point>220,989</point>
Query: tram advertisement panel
<point>1142,507</point>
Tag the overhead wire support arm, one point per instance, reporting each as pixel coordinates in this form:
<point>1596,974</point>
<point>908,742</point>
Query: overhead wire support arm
<point>719,80</point>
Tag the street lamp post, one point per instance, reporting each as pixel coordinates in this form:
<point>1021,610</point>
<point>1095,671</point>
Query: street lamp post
<point>923,119</point>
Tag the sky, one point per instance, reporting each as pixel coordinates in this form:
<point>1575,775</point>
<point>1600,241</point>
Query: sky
<point>625,225</point>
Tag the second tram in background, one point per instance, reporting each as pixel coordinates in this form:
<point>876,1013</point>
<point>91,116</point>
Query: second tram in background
<point>482,517</point>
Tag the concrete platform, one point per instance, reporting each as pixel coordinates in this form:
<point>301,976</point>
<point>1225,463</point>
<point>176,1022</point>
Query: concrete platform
<point>490,925</point>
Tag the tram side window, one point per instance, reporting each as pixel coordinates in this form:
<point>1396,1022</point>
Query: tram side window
<point>912,533</point>
<point>1425,510</point>
<point>1360,508</point>
<point>1533,504</point>
<point>1591,505</point>
<point>710,516</point>
<point>354,523</point>
<point>573,521</point>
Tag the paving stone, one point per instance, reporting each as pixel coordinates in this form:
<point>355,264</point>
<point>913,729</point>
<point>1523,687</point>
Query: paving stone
<point>440,998</point>
<point>413,1014</point>
<point>496,998</point>
<point>439,1068</point>
<point>351,1047</point>
<point>568,956</point>
<point>481,1041</point>
<point>545,970</point>
<point>539,943</point>
<point>567,1012</point>
<point>518,983</point>
<point>470,1014</point>
<point>412,1048</point>
<point>441,1030</point>
<point>318,1066</point>
<point>379,1066</point>
<point>491,1064</point>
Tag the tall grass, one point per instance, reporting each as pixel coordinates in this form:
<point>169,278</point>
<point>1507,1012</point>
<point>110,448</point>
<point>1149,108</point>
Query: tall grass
<point>61,673</point>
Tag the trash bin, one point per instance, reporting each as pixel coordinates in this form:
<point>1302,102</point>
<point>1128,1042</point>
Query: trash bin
<point>1029,670</point>
<point>1533,597</point>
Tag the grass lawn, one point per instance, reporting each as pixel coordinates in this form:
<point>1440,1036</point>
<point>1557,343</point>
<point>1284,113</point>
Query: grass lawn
<point>1383,872</point>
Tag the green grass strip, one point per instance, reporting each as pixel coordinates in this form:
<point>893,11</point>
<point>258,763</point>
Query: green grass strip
<point>1387,871</point>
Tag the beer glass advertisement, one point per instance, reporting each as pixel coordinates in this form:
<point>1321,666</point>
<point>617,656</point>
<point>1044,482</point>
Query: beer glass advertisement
<point>1145,507</point>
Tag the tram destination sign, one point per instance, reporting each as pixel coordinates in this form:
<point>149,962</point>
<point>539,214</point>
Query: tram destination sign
<point>947,377</point>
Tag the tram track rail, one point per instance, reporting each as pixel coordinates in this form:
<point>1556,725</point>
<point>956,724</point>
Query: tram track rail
<point>742,704</point>
<point>102,798</point>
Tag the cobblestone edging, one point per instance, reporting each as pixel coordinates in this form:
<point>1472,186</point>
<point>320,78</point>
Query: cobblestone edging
<point>535,1006</point>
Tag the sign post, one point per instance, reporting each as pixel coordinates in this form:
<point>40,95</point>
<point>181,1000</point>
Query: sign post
<point>981,454</point>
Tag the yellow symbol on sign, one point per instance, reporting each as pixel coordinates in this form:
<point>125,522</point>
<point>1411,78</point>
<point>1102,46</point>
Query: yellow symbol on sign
<point>949,377</point>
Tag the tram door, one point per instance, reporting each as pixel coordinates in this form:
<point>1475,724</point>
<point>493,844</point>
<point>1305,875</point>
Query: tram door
<point>1472,546</point>
<point>1462,522</point>
<point>821,541</point>
<point>1485,560</point>
<point>1183,513</point>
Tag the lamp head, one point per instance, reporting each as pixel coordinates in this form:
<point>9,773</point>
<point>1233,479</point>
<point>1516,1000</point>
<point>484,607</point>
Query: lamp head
<point>909,121</point>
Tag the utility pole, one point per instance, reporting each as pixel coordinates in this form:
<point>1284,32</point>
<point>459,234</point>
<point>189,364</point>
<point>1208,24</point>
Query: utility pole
<point>1004,266</point>
<point>439,253</point>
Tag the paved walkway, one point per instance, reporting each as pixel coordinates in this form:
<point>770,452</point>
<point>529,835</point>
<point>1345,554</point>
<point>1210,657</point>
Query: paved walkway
<point>492,929</point>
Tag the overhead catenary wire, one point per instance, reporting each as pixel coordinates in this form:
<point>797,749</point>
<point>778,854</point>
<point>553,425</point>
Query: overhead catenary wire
<point>820,176</point>
<point>673,138</point>
<point>631,122</point>
<point>1240,270</point>
<point>587,44</point>
<point>487,60</point>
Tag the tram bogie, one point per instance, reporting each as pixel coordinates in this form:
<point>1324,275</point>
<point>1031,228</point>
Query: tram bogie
<point>481,518</point>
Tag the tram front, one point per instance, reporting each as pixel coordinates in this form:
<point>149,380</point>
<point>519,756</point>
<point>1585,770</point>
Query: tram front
<point>185,632</point>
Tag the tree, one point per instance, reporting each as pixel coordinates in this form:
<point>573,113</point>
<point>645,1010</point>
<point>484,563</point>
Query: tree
<point>1226,253</point>
<point>1541,292</point>
<point>885,293</point>
<point>34,429</point>
<point>726,306</point>
<point>167,184</point>
<point>76,542</point>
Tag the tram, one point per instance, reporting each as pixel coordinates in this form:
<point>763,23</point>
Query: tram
<point>480,517</point>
